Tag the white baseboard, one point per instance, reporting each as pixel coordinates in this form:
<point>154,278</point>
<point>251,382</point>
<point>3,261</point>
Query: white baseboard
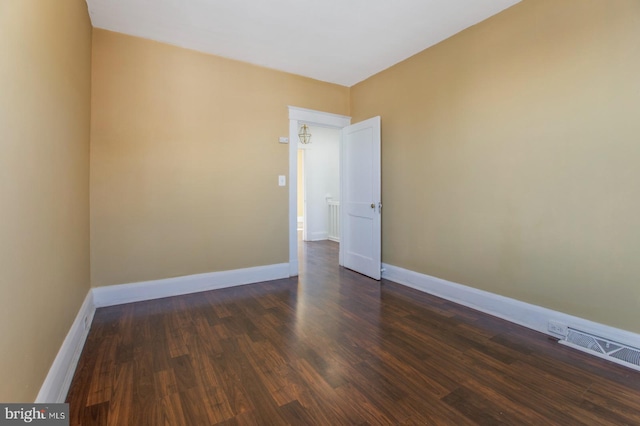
<point>318,236</point>
<point>156,289</point>
<point>56,385</point>
<point>525,314</point>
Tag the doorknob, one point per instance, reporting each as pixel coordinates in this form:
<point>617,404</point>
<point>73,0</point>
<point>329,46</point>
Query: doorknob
<point>373,206</point>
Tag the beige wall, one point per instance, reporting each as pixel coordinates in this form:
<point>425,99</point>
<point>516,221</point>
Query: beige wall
<point>510,157</point>
<point>44,190</point>
<point>185,159</point>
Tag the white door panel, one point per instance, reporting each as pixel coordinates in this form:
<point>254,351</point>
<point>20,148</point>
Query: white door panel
<point>361,175</point>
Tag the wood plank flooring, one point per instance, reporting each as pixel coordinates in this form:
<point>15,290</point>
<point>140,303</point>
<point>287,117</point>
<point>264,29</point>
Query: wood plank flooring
<point>335,348</point>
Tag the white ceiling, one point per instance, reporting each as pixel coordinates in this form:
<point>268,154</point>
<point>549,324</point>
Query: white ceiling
<point>339,41</point>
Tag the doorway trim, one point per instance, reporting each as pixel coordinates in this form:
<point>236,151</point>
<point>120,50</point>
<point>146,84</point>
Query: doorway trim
<point>296,117</point>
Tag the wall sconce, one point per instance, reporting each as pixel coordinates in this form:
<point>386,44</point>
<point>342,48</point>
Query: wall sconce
<point>304,135</point>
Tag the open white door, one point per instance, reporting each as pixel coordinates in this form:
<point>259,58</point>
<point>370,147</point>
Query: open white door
<point>362,207</point>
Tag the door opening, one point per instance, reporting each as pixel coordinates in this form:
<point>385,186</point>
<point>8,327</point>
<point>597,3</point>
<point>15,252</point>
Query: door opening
<point>356,145</point>
<point>301,195</point>
<point>298,116</point>
<point>319,184</point>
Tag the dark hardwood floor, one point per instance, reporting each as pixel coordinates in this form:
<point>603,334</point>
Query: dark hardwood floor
<point>335,348</point>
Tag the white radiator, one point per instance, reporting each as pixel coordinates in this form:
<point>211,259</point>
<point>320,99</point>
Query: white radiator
<point>334,220</point>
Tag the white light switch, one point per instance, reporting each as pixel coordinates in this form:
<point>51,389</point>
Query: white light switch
<point>283,139</point>
<point>282,180</point>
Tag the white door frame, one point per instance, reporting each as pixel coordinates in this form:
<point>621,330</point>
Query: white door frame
<point>296,117</point>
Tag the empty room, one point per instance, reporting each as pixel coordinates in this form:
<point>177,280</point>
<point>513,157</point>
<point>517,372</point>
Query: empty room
<point>320,212</point>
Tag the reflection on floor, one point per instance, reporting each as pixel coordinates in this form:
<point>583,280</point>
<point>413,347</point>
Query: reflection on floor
<point>332,347</point>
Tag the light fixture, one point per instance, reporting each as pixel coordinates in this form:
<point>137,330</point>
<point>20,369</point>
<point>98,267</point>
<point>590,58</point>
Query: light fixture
<point>304,135</point>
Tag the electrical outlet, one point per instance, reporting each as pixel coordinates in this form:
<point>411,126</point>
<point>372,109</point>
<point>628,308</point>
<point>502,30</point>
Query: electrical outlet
<point>557,328</point>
